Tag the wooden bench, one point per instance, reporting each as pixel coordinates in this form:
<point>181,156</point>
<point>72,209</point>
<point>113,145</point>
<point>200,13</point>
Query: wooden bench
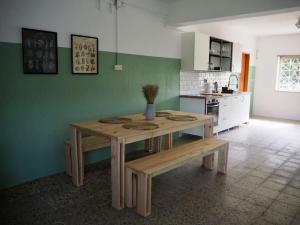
<point>139,172</point>
<point>89,143</point>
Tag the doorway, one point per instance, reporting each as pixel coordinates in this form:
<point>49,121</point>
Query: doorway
<point>245,72</point>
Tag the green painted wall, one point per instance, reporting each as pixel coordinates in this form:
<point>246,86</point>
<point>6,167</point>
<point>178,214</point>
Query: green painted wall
<point>36,110</point>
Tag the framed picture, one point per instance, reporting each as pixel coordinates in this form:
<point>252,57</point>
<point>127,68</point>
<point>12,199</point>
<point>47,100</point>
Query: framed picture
<point>84,54</point>
<point>39,51</point>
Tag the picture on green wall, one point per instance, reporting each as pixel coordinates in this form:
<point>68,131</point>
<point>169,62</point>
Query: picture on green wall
<point>39,51</point>
<point>84,54</point>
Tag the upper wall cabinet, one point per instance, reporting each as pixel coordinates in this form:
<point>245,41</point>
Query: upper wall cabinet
<point>195,51</point>
<point>237,58</point>
<point>202,52</point>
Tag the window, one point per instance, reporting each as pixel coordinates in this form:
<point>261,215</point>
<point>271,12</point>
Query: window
<point>288,77</point>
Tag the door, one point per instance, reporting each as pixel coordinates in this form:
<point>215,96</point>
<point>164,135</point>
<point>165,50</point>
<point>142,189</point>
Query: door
<point>245,72</point>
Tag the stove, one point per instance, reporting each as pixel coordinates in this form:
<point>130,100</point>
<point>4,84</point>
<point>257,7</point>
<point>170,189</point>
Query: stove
<point>212,105</point>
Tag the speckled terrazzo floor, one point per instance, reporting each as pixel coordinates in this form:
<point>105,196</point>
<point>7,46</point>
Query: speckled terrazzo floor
<point>262,187</point>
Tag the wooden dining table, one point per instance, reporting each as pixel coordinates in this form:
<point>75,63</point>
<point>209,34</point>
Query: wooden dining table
<point>121,136</point>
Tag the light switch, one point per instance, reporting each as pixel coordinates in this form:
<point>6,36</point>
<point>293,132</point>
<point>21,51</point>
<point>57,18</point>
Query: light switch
<point>118,67</point>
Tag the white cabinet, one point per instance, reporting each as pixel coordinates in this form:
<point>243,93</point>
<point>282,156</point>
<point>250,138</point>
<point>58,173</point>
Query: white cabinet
<point>236,104</point>
<point>195,51</point>
<point>245,108</point>
<point>195,105</point>
<point>225,113</point>
<point>237,58</point>
<point>233,111</point>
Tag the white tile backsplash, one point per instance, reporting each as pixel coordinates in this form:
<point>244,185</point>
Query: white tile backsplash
<point>190,82</point>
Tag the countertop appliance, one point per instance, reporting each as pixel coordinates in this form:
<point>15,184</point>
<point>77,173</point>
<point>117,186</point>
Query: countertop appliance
<point>216,87</point>
<point>226,90</point>
<point>205,87</point>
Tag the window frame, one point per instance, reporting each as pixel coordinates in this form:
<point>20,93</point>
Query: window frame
<point>278,74</point>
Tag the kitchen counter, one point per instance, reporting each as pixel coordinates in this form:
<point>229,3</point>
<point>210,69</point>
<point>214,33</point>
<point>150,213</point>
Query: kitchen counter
<point>214,95</point>
<point>232,109</point>
<point>235,94</point>
<point>193,96</point>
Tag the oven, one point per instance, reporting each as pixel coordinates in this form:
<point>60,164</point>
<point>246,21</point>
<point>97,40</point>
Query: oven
<point>212,109</point>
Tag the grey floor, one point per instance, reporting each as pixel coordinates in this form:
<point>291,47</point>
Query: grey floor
<point>262,187</point>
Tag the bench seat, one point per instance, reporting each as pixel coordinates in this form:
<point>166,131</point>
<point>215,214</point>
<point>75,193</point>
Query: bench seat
<point>139,172</point>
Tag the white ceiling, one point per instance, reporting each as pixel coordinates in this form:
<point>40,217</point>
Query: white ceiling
<point>283,23</point>
<point>169,1</point>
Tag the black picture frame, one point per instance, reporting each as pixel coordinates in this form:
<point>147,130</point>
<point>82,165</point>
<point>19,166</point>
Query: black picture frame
<point>84,55</point>
<point>39,51</point>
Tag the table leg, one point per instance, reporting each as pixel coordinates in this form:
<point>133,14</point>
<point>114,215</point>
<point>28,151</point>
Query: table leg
<point>157,144</point>
<point>117,172</point>
<point>154,144</point>
<point>149,145</point>
<point>77,157</point>
<point>208,161</point>
<point>168,141</point>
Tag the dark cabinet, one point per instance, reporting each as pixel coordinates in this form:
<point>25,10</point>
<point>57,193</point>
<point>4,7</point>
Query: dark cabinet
<point>220,54</point>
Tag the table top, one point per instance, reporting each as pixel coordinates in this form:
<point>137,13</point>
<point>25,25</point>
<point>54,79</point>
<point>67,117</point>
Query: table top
<point>166,126</point>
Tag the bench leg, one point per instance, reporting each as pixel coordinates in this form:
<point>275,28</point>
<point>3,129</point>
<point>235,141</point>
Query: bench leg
<point>128,187</point>
<point>223,159</point>
<point>208,161</point>
<point>68,157</point>
<point>134,190</point>
<point>144,194</point>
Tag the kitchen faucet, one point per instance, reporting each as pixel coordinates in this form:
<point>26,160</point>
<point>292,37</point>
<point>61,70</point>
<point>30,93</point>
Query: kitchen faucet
<point>234,84</point>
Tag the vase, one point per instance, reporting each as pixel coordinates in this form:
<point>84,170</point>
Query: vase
<point>150,112</point>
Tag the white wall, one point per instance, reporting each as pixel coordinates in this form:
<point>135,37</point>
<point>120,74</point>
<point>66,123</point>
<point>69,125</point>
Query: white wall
<point>187,11</point>
<point>267,101</point>
<point>141,31</point>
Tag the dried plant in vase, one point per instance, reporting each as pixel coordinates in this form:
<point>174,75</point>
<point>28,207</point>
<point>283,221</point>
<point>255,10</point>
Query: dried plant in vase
<point>150,92</point>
